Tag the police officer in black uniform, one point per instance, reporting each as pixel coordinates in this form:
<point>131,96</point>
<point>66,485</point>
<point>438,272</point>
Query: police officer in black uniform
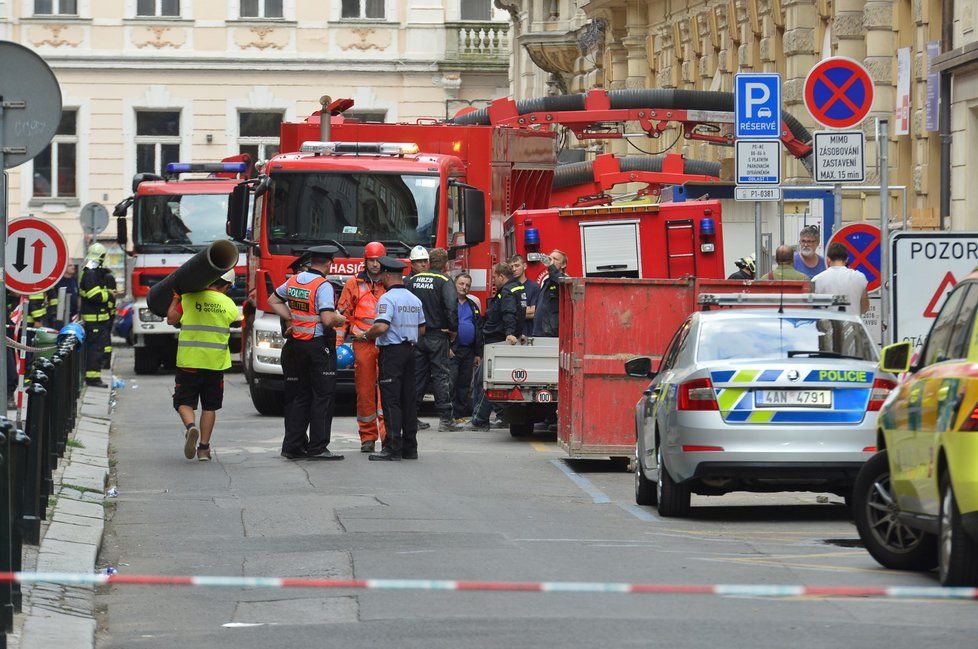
<point>440,301</point>
<point>306,301</point>
<point>400,322</point>
<point>546,319</point>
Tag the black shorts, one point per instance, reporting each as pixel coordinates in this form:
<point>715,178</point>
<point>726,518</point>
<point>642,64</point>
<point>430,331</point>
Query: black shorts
<point>204,385</point>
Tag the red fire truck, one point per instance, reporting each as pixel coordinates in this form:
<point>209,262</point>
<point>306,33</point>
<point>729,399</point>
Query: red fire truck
<point>173,219</point>
<point>467,185</point>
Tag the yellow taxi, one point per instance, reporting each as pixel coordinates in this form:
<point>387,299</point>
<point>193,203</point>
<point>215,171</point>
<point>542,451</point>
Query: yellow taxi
<point>915,501</point>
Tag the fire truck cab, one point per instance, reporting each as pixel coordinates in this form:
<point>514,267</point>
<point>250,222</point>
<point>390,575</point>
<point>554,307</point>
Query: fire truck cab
<point>173,218</point>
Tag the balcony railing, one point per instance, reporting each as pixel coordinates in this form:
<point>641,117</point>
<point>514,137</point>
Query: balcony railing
<point>477,42</point>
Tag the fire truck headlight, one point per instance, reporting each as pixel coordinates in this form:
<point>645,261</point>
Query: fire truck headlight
<point>269,340</point>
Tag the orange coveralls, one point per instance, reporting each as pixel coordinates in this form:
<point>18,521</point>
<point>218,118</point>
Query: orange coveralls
<point>358,302</point>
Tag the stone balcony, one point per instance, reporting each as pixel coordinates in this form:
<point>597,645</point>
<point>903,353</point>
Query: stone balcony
<point>477,45</point>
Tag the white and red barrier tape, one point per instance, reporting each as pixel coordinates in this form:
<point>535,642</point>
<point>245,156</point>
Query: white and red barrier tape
<point>726,590</point>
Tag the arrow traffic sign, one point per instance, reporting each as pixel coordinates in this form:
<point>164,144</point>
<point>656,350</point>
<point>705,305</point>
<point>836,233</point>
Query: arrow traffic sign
<point>862,241</point>
<point>36,255</point>
<point>838,92</point>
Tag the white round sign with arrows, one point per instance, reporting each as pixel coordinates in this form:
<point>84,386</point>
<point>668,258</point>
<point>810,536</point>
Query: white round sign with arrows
<point>36,256</point>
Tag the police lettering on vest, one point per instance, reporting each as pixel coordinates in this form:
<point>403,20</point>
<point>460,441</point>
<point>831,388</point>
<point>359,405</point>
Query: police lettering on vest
<point>307,295</point>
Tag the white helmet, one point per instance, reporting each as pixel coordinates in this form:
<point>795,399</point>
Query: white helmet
<point>228,276</point>
<point>418,253</point>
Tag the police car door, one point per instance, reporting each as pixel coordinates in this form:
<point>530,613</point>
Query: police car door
<point>670,371</point>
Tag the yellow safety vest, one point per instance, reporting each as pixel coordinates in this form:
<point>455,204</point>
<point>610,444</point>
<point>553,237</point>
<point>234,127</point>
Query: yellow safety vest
<point>204,330</point>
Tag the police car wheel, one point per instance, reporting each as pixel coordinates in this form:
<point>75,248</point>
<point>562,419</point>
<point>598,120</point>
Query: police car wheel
<point>893,544</point>
<point>957,552</point>
<point>645,489</point>
<point>673,498</point>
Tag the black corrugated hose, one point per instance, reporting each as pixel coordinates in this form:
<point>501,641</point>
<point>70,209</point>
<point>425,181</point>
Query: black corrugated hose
<point>581,173</point>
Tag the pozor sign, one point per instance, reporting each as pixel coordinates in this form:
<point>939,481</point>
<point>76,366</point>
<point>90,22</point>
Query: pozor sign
<point>926,267</point>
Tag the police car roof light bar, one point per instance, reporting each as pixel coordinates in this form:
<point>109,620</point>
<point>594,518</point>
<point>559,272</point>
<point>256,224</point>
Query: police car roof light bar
<point>814,300</point>
<point>206,167</point>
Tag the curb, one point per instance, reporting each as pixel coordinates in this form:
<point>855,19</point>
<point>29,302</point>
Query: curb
<point>61,615</point>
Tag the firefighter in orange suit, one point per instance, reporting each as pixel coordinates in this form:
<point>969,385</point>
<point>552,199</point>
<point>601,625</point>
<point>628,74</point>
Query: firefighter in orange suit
<point>358,302</point>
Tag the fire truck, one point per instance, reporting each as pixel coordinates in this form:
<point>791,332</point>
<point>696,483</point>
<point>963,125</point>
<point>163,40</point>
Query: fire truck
<point>173,218</point>
<point>467,185</point>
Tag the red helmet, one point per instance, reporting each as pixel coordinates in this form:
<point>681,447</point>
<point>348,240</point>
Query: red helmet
<point>374,250</point>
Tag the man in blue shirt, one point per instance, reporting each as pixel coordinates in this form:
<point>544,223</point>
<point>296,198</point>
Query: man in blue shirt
<point>807,259</point>
<point>400,322</point>
<point>467,348</point>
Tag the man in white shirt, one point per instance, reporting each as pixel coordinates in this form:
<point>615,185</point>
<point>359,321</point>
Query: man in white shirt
<point>837,279</point>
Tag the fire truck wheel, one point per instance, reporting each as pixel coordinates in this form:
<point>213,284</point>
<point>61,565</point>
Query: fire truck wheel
<point>267,402</point>
<point>521,430</point>
<point>145,360</point>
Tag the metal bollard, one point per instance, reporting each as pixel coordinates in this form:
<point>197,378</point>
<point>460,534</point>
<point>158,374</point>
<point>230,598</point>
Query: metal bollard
<point>34,503</point>
<point>19,443</point>
<point>6,540</point>
<point>49,447</point>
<point>58,375</point>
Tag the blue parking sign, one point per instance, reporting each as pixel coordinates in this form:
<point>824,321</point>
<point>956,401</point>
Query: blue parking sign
<point>757,105</point>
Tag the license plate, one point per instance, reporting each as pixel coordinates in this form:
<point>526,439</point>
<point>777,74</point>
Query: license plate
<point>793,398</point>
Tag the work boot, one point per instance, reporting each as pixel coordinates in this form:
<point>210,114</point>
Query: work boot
<point>447,426</point>
<point>385,455</point>
<point>368,447</point>
<point>499,425</point>
<point>409,455</point>
<point>423,425</point>
<point>96,383</point>
<point>190,437</point>
<point>326,455</point>
<point>474,425</point>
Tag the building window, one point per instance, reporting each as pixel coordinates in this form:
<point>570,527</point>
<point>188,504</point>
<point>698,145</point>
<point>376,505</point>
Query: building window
<point>157,139</point>
<point>261,8</point>
<point>56,7</point>
<point>476,9</point>
<point>363,9</point>
<point>55,166</point>
<point>158,8</point>
<point>258,133</point>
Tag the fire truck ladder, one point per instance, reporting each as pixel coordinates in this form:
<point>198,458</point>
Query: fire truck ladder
<point>601,114</point>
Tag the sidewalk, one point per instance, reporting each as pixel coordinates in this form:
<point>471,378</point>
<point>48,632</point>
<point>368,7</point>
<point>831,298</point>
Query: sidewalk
<point>64,616</point>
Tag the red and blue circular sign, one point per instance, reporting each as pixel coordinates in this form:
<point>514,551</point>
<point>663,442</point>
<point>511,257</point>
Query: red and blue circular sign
<point>862,240</point>
<point>838,92</point>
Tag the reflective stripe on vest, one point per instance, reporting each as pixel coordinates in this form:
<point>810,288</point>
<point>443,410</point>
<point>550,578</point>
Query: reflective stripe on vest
<point>301,299</point>
<point>366,308</point>
<point>204,331</point>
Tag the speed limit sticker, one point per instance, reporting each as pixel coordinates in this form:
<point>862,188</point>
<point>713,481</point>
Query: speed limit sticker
<point>519,375</point>
<point>544,396</point>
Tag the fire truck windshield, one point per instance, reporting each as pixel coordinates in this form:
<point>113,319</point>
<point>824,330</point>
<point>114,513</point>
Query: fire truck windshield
<point>179,221</point>
<point>351,208</point>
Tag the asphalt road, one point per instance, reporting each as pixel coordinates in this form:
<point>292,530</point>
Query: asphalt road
<point>478,506</point>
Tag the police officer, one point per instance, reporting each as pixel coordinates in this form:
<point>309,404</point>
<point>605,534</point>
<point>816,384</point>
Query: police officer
<point>505,314</point>
<point>546,319</point>
<point>399,324</point>
<point>205,319</point>
<point>440,301</point>
<point>305,302</point>
<point>94,289</point>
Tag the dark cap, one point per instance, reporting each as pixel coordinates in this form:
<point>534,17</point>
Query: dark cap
<point>321,251</point>
<point>391,265</point>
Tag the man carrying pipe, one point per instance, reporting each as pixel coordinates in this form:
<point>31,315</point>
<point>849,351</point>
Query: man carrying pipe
<point>358,302</point>
<point>305,302</point>
<point>205,319</point>
<point>95,295</point>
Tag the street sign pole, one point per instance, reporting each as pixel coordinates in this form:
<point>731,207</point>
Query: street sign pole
<point>3,246</point>
<point>757,239</point>
<point>836,207</point>
<point>882,141</point>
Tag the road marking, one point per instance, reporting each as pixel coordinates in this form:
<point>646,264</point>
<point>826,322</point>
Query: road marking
<point>541,447</point>
<point>598,496</point>
<point>641,513</point>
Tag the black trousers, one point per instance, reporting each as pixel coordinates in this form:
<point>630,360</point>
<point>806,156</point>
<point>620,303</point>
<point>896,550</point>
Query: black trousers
<point>398,398</point>
<point>309,367</point>
<point>431,360</point>
<point>94,348</point>
<point>461,379</point>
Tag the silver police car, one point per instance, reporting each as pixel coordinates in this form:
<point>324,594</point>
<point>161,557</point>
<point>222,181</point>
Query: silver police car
<point>757,400</point>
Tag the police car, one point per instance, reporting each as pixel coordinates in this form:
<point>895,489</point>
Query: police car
<point>755,399</point>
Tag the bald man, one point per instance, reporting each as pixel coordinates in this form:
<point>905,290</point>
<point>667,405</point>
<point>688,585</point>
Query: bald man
<point>785,270</point>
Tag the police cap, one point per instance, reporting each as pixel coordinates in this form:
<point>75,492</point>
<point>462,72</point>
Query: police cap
<point>322,251</point>
<point>391,265</point>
